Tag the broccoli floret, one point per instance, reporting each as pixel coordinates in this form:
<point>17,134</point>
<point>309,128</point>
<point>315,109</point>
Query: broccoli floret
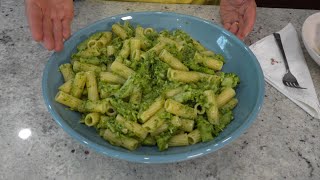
<point>117,43</point>
<point>165,33</point>
<point>127,110</point>
<point>106,122</point>
<point>187,57</point>
<point>187,53</point>
<point>162,141</point>
<point>209,84</point>
<point>129,28</point>
<point>191,96</point>
<point>205,129</point>
<point>107,59</point>
<point>225,119</point>
<point>126,89</point>
<point>181,35</point>
<point>107,89</point>
<point>230,80</point>
<point>152,36</point>
<point>160,71</point>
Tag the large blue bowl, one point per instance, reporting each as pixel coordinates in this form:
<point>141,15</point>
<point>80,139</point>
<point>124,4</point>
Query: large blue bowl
<point>239,59</point>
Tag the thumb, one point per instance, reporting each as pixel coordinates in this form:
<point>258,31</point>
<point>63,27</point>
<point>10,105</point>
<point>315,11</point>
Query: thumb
<point>247,24</point>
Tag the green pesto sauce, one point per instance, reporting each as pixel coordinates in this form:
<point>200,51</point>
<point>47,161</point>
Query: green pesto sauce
<point>150,78</point>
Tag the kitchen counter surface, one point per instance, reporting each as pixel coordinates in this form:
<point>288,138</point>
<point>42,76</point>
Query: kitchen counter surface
<point>283,142</point>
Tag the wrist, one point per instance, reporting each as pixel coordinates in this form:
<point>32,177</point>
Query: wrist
<point>240,2</point>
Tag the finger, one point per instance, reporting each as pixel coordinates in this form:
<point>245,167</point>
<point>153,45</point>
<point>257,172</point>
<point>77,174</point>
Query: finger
<point>227,26</point>
<point>67,20</point>
<point>241,24</point>
<point>249,19</point>
<point>34,16</point>
<point>47,33</point>
<point>57,34</point>
<point>66,23</point>
<point>234,28</point>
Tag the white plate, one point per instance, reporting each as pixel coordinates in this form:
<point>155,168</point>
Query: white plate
<point>311,36</point>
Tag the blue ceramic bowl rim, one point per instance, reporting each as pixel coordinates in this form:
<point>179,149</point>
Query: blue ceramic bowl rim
<point>169,158</point>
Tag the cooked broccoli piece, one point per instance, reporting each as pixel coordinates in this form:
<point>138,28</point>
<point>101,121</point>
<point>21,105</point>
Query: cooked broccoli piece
<point>225,119</point>
<point>162,141</point>
<point>127,110</point>
<point>230,80</point>
<point>205,129</point>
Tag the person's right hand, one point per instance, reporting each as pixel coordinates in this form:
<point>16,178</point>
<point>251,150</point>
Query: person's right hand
<point>50,21</point>
<point>238,16</point>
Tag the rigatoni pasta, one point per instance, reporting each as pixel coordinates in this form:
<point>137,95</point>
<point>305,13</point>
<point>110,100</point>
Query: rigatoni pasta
<point>66,71</point>
<point>137,86</point>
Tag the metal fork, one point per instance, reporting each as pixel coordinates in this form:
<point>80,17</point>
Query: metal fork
<point>288,79</point>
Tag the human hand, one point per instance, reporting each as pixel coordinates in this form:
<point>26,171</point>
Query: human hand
<point>238,16</point>
<point>49,21</point>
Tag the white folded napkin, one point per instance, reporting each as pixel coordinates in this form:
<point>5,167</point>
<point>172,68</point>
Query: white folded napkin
<point>271,61</point>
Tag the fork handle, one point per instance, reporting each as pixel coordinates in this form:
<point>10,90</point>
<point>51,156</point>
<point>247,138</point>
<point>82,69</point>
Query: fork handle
<point>279,42</point>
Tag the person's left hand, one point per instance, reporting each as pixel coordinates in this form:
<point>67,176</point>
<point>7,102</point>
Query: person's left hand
<point>238,16</point>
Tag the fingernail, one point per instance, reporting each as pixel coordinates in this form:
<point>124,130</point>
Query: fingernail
<point>49,47</point>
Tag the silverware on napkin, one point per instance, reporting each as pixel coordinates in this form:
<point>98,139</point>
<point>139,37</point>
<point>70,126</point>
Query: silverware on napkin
<point>273,65</point>
<point>288,78</point>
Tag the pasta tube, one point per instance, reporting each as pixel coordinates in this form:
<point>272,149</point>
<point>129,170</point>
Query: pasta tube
<point>105,39</point>
<point>121,69</point>
<point>119,31</point>
<point>78,84</point>
<point>160,129</point>
<point>91,60</point>
<point>79,66</point>
<point>179,140</point>
<point>135,44</point>
<point>212,110</point>
<point>92,119</point>
<point>173,62</point>
<point>157,48</point>
<point>154,122</point>
<point>194,136</point>
<point>136,128</point>
<point>185,76</point>
<point>139,31</point>
<point>66,71</point>
<point>66,87</point>
<point>225,96</point>
<point>68,100</point>
<point>121,140</point>
<point>209,62</point>
<point>170,41</point>
<point>125,50</point>
<point>111,78</point>
<point>92,86</point>
<point>101,106</point>
<point>153,108</point>
<point>187,125</point>
<point>179,109</point>
<point>172,92</point>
